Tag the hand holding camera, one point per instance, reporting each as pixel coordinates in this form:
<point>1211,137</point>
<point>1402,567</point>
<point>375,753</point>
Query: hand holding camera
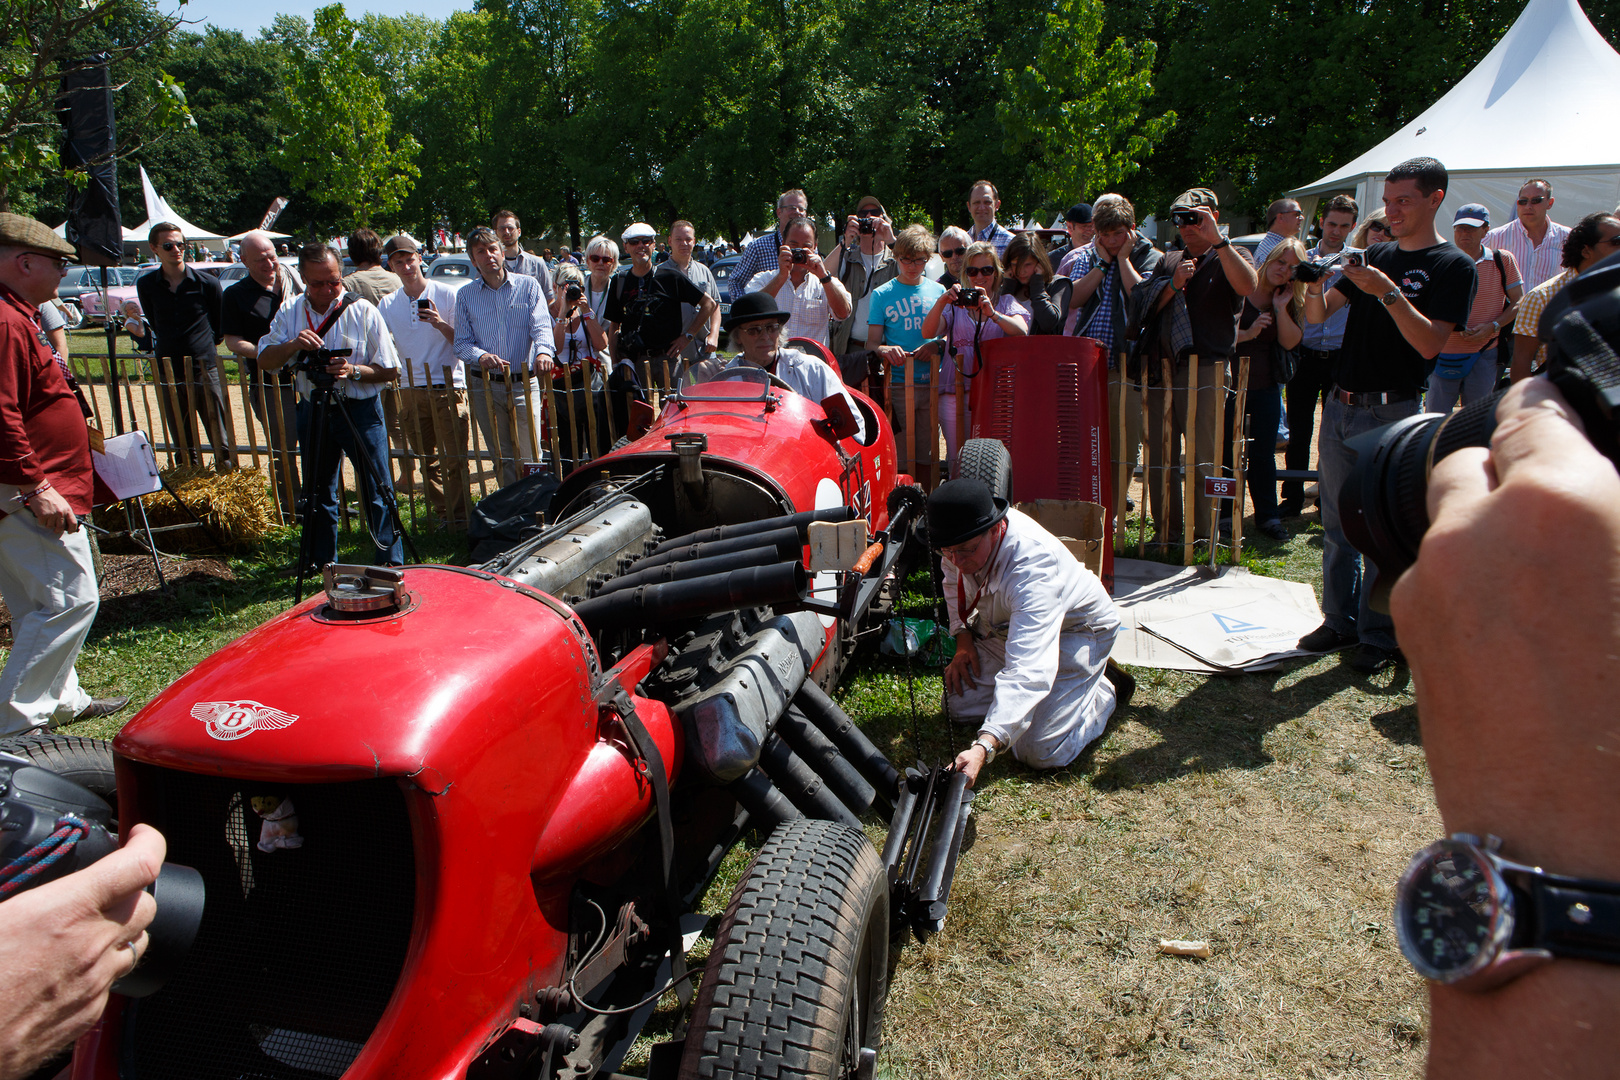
<point>971,298</point>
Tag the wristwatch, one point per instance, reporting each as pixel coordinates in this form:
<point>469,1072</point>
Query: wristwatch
<point>1225,242</point>
<point>1390,297</point>
<point>988,745</point>
<point>824,278</point>
<point>354,373</point>
<point>1469,918</point>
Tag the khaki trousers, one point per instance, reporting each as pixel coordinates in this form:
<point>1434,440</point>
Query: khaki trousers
<point>1167,521</point>
<point>435,426</point>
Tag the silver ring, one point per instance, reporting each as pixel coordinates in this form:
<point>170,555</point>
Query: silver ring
<point>133,951</point>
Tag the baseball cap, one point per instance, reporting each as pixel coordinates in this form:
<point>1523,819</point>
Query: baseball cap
<point>1472,214</point>
<point>871,201</point>
<point>638,230</point>
<point>1195,197</point>
<point>25,232</point>
<point>400,242</point>
<point>1078,214</point>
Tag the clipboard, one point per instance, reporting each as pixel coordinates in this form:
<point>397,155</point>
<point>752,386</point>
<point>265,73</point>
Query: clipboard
<point>127,466</point>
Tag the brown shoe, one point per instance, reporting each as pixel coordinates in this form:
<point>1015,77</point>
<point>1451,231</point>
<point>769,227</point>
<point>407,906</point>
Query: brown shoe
<point>100,707</point>
<point>1124,684</point>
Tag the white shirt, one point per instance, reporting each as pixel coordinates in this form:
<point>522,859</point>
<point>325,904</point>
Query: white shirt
<point>360,328</point>
<point>1536,263</point>
<point>809,377</point>
<point>1035,592</point>
<point>807,303</point>
<point>426,353</point>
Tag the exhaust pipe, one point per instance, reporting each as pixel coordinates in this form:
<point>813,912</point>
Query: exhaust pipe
<point>799,522</point>
<point>672,601</point>
<point>851,741</point>
<point>800,783</point>
<point>680,571</point>
<point>821,755</point>
<point>765,805</point>
<point>785,540</point>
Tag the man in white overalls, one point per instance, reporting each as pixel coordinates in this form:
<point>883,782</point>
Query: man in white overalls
<point>1033,632</point>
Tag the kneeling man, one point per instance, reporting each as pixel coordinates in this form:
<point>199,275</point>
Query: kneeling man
<point>756,326</point>
<point>1033,632</point>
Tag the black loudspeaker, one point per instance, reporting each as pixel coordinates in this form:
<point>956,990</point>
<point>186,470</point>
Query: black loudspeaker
<point>86,111</point>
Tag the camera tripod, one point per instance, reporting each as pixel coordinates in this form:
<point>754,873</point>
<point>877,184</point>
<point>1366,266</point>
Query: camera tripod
<point>322,399</point>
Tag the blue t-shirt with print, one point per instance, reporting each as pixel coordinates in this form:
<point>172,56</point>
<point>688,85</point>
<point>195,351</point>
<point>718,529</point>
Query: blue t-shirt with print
<point>900,309</point>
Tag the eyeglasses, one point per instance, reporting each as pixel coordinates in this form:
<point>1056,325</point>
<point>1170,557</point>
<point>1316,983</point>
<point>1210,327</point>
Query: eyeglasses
<point>599,258</point>
<point>1612,241</point>
<point>800,210</point>
<point>957,552</point>
<point>980,271</point>
<point>58,261</point>
<point>639,240</point>
<point>172,246</point>
<point>1537,201</point>
<point>912,260</point>
<point>952,252</point>
<point>770,329</point>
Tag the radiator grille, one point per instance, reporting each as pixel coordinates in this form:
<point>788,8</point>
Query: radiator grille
<point>299,950</point>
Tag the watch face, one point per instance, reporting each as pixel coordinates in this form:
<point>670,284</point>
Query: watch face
<point>1453,911</point>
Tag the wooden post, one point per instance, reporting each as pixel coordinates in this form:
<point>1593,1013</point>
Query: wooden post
<point>1167,420</point>
<point>248,419</point>
<point>912,434</point>
<point>587,377</point>
<point>166,384</point>
<point>935,371</point>
<point>1220,441</point>
<point>1189,465</point>
<point>152,427</point>
<point>962,432</point>
<point>512,415</point>
<point>573,417</point>
<point>494,446</point>
<point>1239,428</point>
<point>548,388</point>
<point>89,384</point>
<point>667,384</point>
<point>411,402</point>
<point>1120,535</point>
<point>647,383</point>
<point>1142,440</point>
<point>443,441</point>
<point>289,455</point>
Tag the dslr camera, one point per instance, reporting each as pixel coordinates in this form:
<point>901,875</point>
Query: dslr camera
<point>572,295</point>
<point>970,297</point>
<point>866,224</point>
<point>314,362</point>
<point>1316,269</point>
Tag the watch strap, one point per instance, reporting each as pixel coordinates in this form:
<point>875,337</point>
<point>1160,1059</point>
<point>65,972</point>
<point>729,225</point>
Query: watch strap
<point>1574,919</point>
<point>1225,242</point>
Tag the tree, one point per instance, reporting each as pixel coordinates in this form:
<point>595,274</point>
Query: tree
<point>43,40</point>
<point>337,143</point>
<point>1076,110</point>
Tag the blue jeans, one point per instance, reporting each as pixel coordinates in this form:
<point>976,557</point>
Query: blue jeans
<point>1443,393</point>
<point>336,440</point>
<point>1346,585</point>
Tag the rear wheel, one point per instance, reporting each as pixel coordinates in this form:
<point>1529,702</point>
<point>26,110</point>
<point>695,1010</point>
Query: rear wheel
<point>795,985</point>
<point>986,460</point>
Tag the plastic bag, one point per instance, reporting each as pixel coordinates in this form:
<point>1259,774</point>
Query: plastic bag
<point>923,638</point>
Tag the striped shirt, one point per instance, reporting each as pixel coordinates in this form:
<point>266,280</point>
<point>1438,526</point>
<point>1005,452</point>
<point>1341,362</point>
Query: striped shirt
<point>1536,262</point>
<point>807,304</point>
<point>527,262</point>
<point>511,321</point>
<point>1489,299</point>
<point>758,257</point>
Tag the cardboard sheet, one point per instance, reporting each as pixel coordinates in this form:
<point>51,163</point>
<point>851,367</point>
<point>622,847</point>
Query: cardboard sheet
<point>1183,619</point>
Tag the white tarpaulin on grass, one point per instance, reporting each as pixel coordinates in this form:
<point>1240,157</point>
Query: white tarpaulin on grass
<point>1183,619</point>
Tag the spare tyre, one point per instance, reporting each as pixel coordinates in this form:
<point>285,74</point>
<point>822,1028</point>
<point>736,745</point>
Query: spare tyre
<point>795,985</point>
<point>986,460</point>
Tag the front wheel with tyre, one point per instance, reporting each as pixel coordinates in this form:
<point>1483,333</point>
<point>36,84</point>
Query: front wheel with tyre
<point>986,460</point>
<point>794,988</point>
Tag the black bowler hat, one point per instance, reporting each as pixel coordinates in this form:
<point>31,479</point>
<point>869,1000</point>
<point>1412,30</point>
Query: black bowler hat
<point>959,510</point>
<point>755,307</point>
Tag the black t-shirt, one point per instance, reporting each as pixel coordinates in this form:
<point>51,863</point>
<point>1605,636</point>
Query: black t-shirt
<point>1213,305</point>
<point>649,308</point>
<point>246,311</point>
<point>185,319</point>
<point>1376,357</point>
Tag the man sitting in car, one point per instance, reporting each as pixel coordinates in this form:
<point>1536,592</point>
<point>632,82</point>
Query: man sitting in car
<point>756,326</point>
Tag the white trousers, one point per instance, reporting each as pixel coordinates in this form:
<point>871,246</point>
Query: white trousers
<point>49,585</point>
<point>501,440</point>
<point>1068,719</point>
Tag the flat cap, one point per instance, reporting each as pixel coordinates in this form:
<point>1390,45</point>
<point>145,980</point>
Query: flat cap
<point>25,232</point>
<point>1198,196</point>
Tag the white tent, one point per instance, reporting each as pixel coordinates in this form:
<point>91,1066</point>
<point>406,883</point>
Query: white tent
<point>131,236</point>
<point>158,210</point>
<point>1543,103</point>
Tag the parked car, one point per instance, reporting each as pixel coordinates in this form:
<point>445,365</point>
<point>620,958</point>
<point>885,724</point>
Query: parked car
<point>91,301</point>
<point>722,269</point>
<point>452,270</point>
<point>84,279</point>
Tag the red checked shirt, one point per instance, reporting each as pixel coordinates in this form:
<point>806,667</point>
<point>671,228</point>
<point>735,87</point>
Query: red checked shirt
<point>42,432</point>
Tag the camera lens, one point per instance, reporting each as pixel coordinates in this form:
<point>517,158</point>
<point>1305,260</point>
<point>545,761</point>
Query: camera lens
<point>1383,506</point>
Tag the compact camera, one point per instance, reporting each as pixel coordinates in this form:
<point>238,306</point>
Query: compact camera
<point>1316,269</point>
<point>801,255</point>
<point>866,224</point>
<point>1182,218</point>
<point>970,298</point>
<point>1354,258</point>
<point>572,295</point>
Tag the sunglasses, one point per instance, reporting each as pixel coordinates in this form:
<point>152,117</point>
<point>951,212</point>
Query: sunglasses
<point>172,246</point>
<point>951,253</point>
<point>599,258</point>
<point>1375,227</point>
<point>1537,201</point>
<point>980,271</point>
<point>639,240</point>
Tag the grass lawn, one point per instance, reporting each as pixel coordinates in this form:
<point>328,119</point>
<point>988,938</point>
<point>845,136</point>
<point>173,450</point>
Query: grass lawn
<point>1267,814</point>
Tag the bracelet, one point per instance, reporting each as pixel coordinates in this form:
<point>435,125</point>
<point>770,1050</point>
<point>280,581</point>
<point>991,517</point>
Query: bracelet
<point>46,486</point>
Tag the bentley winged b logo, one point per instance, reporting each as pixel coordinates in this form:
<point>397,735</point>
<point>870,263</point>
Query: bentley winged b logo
<point>229,720</point>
